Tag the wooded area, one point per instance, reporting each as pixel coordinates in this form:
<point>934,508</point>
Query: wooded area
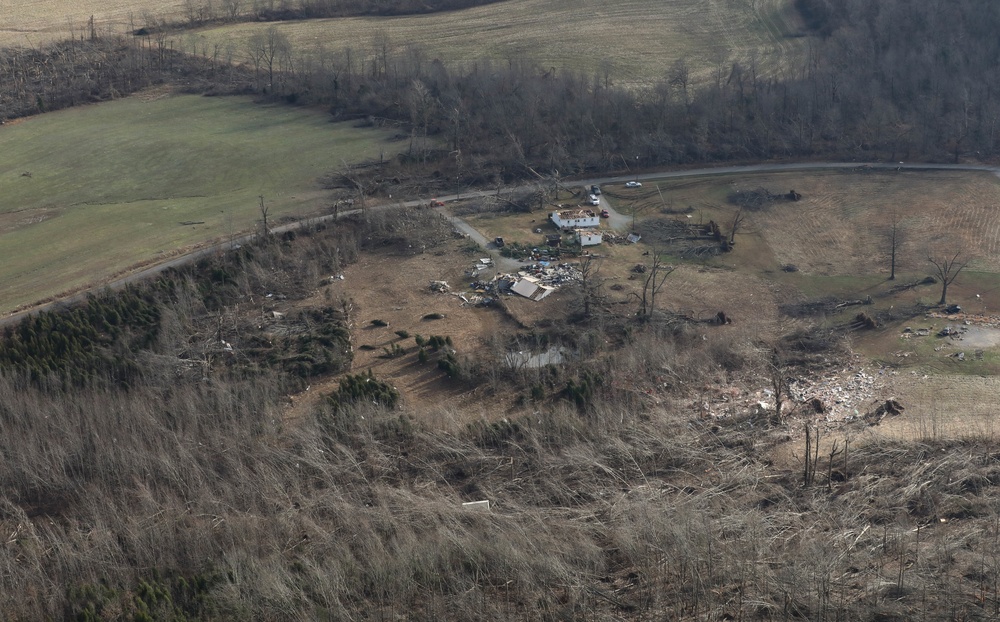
<point>890,81</point>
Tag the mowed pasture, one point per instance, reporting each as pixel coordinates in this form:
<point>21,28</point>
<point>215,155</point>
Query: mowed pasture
<point>86,193</point>
<point>631,41</point>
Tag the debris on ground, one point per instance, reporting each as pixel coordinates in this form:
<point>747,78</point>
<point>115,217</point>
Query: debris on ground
<point>948,331</point>
<point>611,237</point>
<point>864,321</point>
<point>836,397</point>
<point>842,397</point>
<point>440,286</point>
<point>534,281</point>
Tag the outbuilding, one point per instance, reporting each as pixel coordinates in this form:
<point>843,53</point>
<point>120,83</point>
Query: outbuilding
<point>589,237</point>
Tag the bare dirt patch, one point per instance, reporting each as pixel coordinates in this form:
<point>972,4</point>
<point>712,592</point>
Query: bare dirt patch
<point>396,290</point>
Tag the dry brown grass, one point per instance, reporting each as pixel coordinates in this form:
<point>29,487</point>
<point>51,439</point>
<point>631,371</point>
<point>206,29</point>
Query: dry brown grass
<point>398,292</point>
<point>31,22</point>
<point>947,406</point>
<point>635,40</point>
<point>834,231</point>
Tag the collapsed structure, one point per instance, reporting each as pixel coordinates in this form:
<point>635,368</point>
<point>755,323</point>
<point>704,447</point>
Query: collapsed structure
<point>533,281</point>
<point>575,219</point>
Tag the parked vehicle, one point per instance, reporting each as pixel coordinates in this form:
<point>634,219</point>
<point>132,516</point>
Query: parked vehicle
<point>633,184</point>
<point>594,200</point>
<point>605,213</point>
<point>498,241</point>
<point>595,190</point>
<point>437,203</point>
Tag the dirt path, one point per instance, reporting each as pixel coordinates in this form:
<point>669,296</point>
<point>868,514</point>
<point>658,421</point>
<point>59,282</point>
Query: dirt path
<point>503,264</point>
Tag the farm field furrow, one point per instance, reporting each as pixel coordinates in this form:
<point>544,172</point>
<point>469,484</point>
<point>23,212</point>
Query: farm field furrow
<point>89,192</point>
<point>837,227</point>
<point>944,407</point>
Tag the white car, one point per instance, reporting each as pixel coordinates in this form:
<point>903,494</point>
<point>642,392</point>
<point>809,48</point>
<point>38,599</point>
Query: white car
<point>633,184</point>
<point>594,200</point>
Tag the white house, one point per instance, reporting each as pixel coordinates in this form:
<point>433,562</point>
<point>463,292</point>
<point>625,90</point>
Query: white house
<point>575,219</point>
<point>589,237</point>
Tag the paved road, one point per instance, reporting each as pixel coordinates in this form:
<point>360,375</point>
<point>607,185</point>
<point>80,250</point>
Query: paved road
<point>464,227</point>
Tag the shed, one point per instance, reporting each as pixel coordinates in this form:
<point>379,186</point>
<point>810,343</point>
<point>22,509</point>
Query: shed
<point>589,237</point>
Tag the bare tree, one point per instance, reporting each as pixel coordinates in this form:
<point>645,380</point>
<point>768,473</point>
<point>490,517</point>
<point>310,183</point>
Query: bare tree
<point>656,275</point>
<point>233,8</point>
<point>737,222</point>
<point>947,268</point>
<point>421,104</point>
<point>590,283</point>
<point>894,237</point>
<point>263,216</point>
<point>779,382</point>
<point>679,76</point>
<point>268,48</point>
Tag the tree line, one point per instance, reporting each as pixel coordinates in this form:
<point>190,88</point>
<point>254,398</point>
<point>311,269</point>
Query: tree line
<point>878,82</point>
<point>889,81</point>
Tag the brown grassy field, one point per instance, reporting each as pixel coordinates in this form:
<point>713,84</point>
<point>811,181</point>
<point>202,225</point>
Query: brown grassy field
<point>833,235</point>
<point>835,230</point>
<point>31,22</point>
<point>634,41</point>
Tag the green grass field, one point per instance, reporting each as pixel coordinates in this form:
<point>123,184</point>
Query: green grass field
<point>635,40</point>
<point>110,184</point>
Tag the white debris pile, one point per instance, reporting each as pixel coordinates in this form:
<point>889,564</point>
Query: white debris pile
<point>481,265</point>
<point>844,395</point>
<point>534,281</point>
